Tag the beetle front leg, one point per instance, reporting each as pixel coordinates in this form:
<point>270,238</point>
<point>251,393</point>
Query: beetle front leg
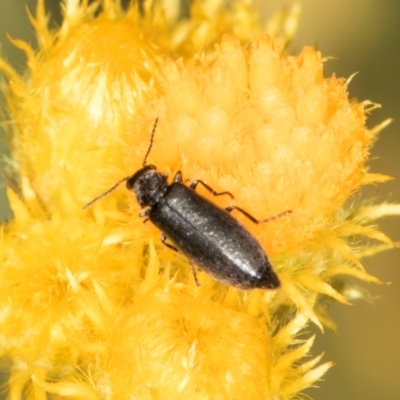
<point>145,213</point>
<point>178,177</point>
<point>256,221</point>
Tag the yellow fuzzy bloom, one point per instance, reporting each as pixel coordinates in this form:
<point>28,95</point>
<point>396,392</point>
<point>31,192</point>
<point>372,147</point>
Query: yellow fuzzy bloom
<point>92,305</point>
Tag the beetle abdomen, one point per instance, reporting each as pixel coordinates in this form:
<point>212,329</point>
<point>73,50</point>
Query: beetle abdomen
<point>212,239</point>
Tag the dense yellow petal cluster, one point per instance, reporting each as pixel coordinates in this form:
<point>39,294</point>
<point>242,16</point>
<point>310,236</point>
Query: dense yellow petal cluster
<point>92,306</point>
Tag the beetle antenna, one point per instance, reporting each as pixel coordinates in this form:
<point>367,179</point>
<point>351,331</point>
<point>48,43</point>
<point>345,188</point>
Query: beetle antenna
<point>107,192</point>
<point>151,141</point>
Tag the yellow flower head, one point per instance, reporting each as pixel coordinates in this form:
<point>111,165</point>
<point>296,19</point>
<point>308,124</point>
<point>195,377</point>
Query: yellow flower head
<point>93,306</point>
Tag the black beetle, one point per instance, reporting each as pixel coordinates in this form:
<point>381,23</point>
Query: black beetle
<point>207,235</point>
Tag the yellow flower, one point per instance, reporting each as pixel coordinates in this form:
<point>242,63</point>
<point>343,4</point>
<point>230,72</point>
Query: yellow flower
<point>92,305</point>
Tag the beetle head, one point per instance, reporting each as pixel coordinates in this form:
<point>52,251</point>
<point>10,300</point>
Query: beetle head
<point>147,184</point>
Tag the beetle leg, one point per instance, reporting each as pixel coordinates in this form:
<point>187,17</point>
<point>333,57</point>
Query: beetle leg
<point>178,177</point>
<point>256,221</point>
<point>164,239</point>
<point>145,213</point>
<point>194,184</point>
<point>194,274</point>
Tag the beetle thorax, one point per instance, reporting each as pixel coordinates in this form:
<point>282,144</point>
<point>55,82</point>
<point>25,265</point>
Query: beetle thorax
<point>148,185</point>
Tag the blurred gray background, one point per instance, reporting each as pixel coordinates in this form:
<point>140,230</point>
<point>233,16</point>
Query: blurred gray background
<point>364,37</point>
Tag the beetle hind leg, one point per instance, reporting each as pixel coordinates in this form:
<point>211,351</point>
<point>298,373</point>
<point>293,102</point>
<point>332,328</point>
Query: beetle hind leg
<point>256,221</point>
<point>164,242</point>
<point>192,267</point>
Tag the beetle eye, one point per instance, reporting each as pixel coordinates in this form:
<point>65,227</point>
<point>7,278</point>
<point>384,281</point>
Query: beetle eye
<point>129,183</point>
